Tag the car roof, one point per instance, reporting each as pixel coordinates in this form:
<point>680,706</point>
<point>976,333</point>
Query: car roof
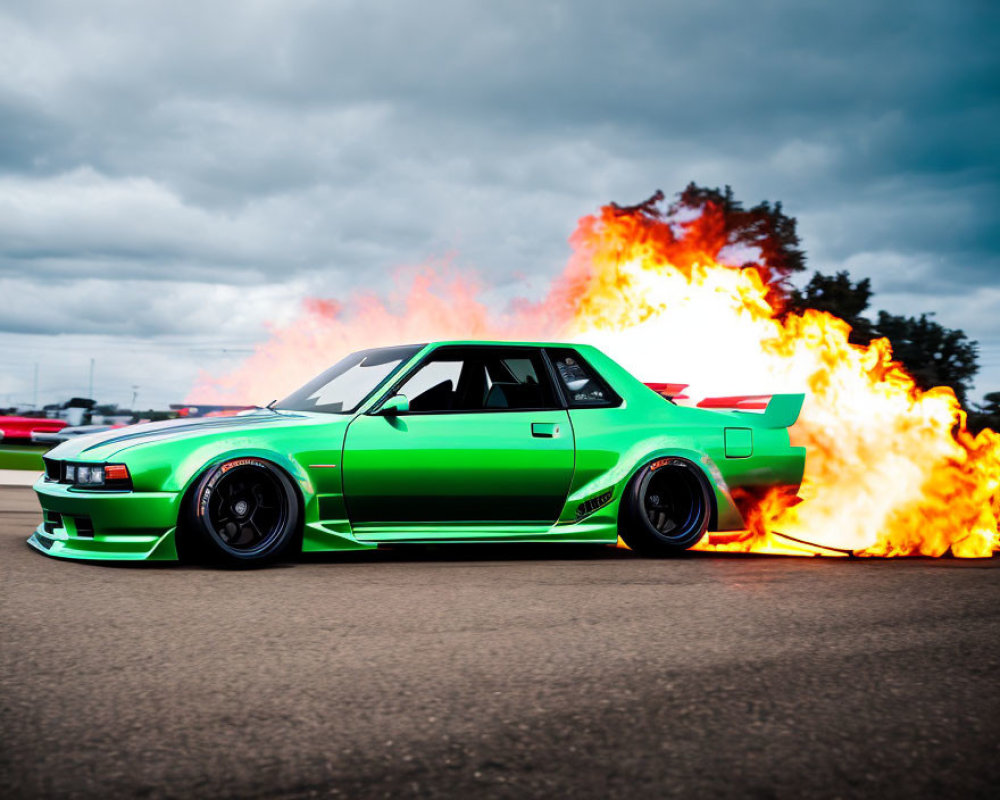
<point>501,343</point>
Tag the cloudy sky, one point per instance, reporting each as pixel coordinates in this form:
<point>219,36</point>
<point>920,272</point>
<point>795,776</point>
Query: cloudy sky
<point>173,174</point>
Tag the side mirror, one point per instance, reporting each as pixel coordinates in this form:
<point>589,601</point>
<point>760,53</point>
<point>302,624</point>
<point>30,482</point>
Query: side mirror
<point>397,404</point>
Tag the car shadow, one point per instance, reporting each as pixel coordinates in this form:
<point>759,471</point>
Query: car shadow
<point>486,553</point>
<point>470,553</point>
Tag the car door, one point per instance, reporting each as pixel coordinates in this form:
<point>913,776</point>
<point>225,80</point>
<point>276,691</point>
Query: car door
<point>485,447</point>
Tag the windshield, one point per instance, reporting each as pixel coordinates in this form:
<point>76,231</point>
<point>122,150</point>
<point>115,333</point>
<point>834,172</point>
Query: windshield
<point>344,387</point>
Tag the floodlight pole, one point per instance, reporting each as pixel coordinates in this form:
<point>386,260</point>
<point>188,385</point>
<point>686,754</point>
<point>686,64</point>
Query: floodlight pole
<point>90,392</point>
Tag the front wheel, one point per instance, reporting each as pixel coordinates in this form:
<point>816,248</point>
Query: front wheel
<point>666,508</point>
<point>245,512</point>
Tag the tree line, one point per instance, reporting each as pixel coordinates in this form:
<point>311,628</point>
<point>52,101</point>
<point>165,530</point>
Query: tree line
<point>932,353</point>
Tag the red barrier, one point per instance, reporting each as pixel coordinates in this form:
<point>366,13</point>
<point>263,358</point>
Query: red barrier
<point>23,427</point>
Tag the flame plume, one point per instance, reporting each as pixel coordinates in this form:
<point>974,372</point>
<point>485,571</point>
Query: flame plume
<point>891,470</point>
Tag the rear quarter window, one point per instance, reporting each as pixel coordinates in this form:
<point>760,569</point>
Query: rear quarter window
<point>580,382</point>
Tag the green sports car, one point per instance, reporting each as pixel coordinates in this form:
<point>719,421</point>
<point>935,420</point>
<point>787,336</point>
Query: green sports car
<point>444,442</point>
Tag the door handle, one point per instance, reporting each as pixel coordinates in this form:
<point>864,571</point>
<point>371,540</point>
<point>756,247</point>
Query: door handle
<point>545,430</point>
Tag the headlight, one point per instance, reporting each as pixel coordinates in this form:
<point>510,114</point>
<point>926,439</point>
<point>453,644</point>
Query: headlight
<point>89,476</point>
<point>97,476</point>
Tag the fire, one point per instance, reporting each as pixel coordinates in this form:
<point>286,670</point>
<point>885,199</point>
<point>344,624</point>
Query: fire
<point>891,470</point>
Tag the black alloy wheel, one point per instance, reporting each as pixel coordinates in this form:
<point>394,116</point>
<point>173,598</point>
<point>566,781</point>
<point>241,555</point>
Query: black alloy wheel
<point>666,507</point>
<point>247,511</point>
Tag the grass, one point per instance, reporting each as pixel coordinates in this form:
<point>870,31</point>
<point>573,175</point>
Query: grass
<point>22,456</point>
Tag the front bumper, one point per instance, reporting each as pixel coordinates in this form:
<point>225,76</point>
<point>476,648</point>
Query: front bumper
<point>137,526</point>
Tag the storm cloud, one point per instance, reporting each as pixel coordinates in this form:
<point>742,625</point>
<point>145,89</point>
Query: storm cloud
<point>173,174</point>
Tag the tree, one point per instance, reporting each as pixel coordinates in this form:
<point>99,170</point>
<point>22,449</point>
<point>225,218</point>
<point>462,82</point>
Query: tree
<point>765,227</point>
<point>933,354</point>
<point>713,220</point>
<point>986,414</point>
<point>837,295</point>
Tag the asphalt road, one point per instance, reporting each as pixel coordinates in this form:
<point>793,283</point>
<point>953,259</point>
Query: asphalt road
<point>515,673</point>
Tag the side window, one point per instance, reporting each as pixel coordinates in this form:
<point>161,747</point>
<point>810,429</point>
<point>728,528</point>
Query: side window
<point>584,388</point>
<point>480,379</point>
<point>433,386</point>
<point>517,381</point>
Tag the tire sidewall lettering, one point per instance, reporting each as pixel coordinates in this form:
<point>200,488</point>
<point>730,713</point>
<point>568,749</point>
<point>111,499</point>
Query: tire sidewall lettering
<point>216,474</point>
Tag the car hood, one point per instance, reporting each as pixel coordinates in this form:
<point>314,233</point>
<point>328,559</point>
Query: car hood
<point>109,444</point>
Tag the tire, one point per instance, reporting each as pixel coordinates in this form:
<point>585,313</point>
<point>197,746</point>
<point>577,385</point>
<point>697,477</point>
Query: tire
<point>666,508</point>
<point>244,512</point>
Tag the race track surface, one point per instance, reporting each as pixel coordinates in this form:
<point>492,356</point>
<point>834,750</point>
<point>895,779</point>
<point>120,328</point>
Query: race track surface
<point>516,672</point>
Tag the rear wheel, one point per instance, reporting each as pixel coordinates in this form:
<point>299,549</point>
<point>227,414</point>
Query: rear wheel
<point>245,512</point>
<point>666,508</point>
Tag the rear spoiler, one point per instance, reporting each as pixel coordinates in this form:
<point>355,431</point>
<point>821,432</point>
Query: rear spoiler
<point>740,402</point>
<point>779,410</point>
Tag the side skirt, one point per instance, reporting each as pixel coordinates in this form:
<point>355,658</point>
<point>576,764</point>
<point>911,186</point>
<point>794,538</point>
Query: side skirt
<point>583,532</point>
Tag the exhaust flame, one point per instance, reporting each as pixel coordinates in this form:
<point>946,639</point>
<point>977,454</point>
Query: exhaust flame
<point>891,470</point>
